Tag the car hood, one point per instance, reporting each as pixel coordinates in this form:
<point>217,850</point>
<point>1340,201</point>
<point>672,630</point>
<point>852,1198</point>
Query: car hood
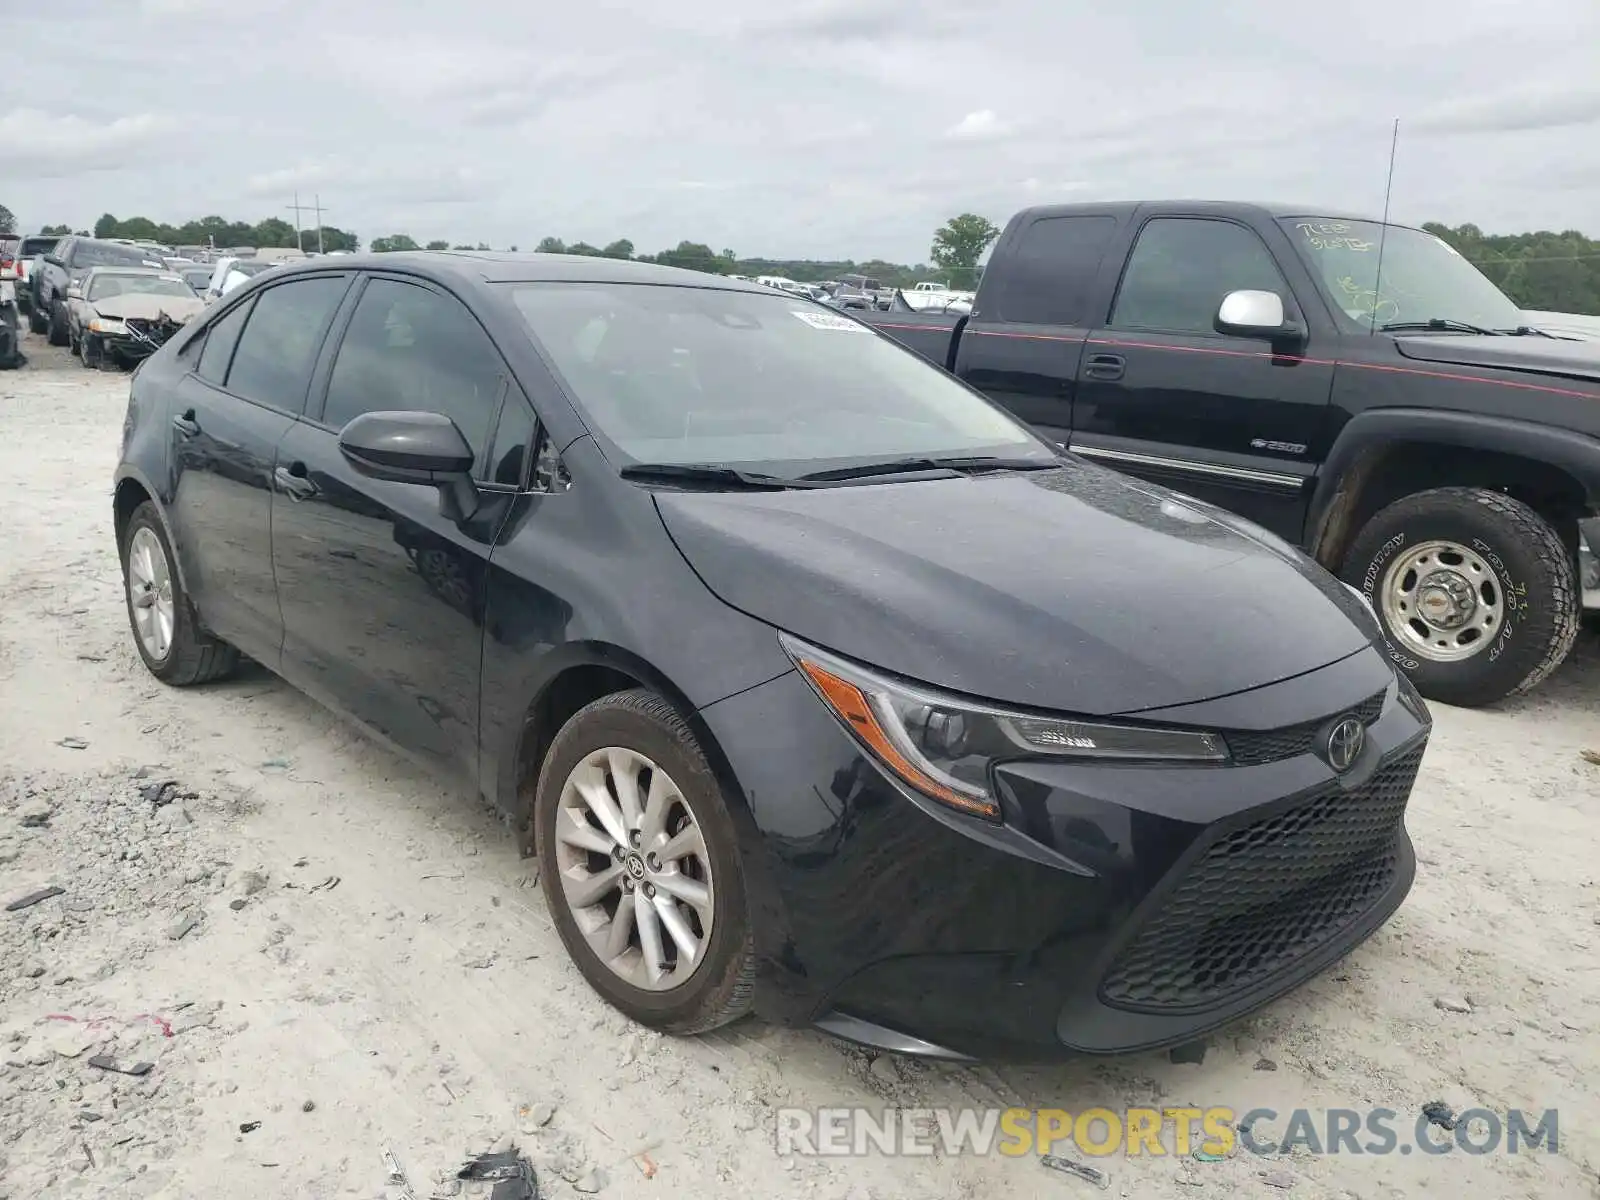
<point>145,307</point>
<point>1548,356</point>
<point>1072,590</point>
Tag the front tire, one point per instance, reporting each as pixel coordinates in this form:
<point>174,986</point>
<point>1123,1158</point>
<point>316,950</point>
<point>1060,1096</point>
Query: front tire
<point>640,867</point>
<point>1474,590</point>
<point>38,322</point>
<point>165,631</point>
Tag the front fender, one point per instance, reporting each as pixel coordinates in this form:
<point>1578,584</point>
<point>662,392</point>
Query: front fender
<point>1367,434</point>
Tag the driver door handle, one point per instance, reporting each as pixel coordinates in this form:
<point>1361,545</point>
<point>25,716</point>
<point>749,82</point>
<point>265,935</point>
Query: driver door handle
<point>186,424</point>
<point>1104,366</point>
<point>293,480</point>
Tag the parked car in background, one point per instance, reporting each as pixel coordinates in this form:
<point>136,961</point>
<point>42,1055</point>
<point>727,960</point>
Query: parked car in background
<point>197,276</point>
<point>25,251</point>
<point>70,259</point>
<point>902,740</point>
<point>10,322</point>
<point>121,316</point>
<point>1424,440</point>
<point>229,272</point>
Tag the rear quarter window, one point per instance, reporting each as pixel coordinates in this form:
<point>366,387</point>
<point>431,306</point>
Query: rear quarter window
<point>1048,273</point>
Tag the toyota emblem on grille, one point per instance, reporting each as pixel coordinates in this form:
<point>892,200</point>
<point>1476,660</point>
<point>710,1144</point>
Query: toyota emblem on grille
<point>1345,742</point>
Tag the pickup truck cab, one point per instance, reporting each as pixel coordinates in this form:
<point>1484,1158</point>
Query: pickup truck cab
<point>1400,423</point>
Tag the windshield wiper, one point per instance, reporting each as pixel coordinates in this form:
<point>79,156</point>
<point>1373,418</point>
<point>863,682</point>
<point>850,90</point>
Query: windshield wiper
<point>709,473</point>
<point>958,463</point>
<point>1440,324</point>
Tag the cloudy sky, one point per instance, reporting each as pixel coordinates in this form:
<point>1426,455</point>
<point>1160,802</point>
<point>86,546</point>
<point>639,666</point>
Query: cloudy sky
<point>793,128</point>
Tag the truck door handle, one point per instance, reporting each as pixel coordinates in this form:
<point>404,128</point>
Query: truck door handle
<point>186,424</point>
<point>1104,366</point>
<point>292,479</point>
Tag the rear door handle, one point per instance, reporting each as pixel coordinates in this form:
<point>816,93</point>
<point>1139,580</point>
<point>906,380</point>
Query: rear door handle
<point>1104,366</point>
<point>292,479</point>
<point>186,424</point>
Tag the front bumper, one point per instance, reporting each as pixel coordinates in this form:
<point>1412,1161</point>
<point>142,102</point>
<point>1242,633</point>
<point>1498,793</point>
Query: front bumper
<point>1119,908</point>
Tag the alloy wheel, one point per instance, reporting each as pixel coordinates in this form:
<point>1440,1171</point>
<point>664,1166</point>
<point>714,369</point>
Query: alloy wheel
<point>634,869</point>
<point>150,593</point>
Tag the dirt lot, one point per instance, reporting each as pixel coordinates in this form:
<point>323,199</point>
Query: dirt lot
<point>423,1001</point>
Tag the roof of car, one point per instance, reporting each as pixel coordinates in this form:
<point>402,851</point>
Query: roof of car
<point>1199,208</point>
<point>493,266</point>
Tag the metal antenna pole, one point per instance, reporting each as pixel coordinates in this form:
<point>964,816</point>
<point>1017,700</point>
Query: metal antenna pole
<point>1383,233</point>
<point>297,207</point>
<point>317,200</point>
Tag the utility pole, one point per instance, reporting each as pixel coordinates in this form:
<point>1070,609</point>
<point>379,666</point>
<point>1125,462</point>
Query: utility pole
<point>317,201</point>
<point>297,207</point>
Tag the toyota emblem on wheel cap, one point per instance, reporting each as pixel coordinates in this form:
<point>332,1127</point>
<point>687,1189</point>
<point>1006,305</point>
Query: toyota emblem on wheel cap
<point>1345,742</point>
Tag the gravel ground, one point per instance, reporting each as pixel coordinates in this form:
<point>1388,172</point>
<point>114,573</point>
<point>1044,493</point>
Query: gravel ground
<point>322,952</point>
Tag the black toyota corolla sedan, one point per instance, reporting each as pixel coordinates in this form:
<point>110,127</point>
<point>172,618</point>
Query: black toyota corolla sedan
<point>816,683</point>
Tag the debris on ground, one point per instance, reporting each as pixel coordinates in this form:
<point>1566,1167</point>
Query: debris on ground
<point>1453,1004</point>
<point>511,1172</point>
<point>33,898</point>
<point>1591,756</point>
<point>1439,1113</point>
<point>1076,1169</point>
<point>1190,1053</point>
<point>1278,1178</point>
<point>1266,1064</point>
<point>73,743</point>
<point>106,1062</point>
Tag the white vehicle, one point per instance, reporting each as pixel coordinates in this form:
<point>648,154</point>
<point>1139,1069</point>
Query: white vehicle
<point>230,272</point>
<point>779,282</point>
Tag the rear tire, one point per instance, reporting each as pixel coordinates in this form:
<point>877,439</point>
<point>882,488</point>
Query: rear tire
<point>1474,590</point>
<point>38,322</point>
<point>643,726</point>
<point>56,331</point>
<point>182,654</point>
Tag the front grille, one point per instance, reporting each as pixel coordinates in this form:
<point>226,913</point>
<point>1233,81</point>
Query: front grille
<point>1266,894</point>
<point>1252,749</point>
<point>153,332</point>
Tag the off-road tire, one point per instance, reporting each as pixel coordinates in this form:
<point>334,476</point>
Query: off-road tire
<point>56,331</point>
<point>720,991</point>
<point>38,322</point>
<point>1533,569</point>
<point>194,656</point>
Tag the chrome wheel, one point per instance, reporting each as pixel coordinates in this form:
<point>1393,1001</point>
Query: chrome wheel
<point>1443,601</point>
<point>634,869</point>
<point>150,593</point>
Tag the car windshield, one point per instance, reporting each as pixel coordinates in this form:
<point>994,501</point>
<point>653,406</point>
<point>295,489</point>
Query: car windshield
<point>103,287</point>
<point>101,254</point>
<point>1424,277</point>
<point>772,383</point>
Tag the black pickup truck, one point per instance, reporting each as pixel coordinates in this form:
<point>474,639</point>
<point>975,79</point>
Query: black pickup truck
<point>1360,390</point>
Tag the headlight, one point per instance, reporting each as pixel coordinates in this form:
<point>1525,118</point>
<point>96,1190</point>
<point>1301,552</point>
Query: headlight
<point>946,747</point>
<point>104,325</point>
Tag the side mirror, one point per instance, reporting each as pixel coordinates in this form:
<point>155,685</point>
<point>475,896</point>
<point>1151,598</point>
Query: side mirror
<point>74,292</point>
<point>414,447</point>
<point>53,259</point>
<point>1254,314</point>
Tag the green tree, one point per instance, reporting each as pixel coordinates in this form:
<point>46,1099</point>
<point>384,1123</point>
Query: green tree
<point>551,245</point>
<point>958,245</point>
<point>437,246</point>
<point>56,230</point>
<point>394,242</point>
<point>584,249</point>
<point>8,220</point>
<point>696,256</point>
<point>621,248</point>
<point>107,226</point>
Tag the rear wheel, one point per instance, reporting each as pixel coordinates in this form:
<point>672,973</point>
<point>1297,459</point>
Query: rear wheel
<point>38,322</point>
<point>165,632</point>
<point>1474,590</point>
<point>640,867</point>
<point>57,329</point>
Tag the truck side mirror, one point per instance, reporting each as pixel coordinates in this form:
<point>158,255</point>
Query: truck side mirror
<point>1254,314</point>
<point>74,292</point>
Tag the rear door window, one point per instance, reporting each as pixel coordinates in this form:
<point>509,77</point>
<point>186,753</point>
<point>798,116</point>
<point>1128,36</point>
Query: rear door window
<point>220,339</point>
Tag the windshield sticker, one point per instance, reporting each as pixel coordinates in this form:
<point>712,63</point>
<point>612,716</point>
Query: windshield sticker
<point>819,320</point>
<point>1332,235</point>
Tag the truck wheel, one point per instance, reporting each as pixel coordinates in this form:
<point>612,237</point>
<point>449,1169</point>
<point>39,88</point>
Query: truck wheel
<point>37,321</point>
<point>57,329</point>
<point>1474,590</point>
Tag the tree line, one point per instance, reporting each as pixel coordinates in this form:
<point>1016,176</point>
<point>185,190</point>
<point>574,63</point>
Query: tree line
<point>1545,271</point>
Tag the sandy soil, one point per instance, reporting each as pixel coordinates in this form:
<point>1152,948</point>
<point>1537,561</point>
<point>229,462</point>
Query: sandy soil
<point>422,1001</point>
